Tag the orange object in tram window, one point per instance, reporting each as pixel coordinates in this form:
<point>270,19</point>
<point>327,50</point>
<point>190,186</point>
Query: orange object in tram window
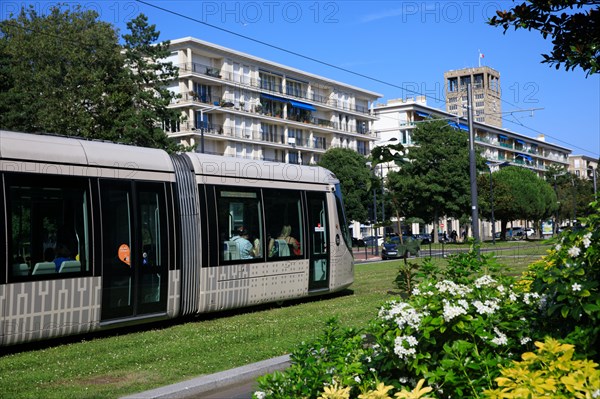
<point>125,254</point>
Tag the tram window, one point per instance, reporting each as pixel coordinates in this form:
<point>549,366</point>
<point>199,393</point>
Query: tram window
<point>240,224</point>
<point>283,219</point>
<point>49,226</point>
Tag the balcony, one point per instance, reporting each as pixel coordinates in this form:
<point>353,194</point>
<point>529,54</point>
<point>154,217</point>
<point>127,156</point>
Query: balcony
<point>251,83</point>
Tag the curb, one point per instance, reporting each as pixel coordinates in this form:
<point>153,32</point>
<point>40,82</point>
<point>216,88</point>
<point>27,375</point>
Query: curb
<point>213,382</point>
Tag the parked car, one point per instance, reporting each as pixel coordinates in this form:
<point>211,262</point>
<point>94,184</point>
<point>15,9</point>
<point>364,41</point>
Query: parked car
<point>392,248</point>
<point>369,241</point>
<point>425,238</point>
<point>358,242</point>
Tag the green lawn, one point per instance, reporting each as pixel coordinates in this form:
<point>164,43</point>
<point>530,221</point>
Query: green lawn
<point>110,367</point>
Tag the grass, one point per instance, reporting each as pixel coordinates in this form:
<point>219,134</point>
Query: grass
<point>125,363</point>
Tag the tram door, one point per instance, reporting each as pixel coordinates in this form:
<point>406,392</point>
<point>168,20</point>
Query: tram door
<point>134,249</point>
<point>318,230</point>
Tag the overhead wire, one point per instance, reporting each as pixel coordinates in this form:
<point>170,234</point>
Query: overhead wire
<point>328,64</point>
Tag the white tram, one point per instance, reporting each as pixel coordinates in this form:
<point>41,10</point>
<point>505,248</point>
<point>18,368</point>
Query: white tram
<point>99,235</point>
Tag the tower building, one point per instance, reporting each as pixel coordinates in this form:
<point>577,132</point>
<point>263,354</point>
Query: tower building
<point>485,86</point>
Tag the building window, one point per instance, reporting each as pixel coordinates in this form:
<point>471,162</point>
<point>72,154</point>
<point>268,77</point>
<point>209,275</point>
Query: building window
<point>293,158</point>
<point>452,84</point>
<point>294,88</point>
<point>270,82</point>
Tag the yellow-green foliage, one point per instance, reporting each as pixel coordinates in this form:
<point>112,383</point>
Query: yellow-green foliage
<point>550,372</point>
<point>381,392</point>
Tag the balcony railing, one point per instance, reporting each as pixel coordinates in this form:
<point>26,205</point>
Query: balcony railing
<point>248,82</point>
<point>250,134</point>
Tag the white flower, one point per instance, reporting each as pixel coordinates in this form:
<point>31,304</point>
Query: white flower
<point>576,287</point>
<point>525,340</point>
<point>574,252</point>
<point>487,307</point>
<point>452,311</point>
<point>401,350</point>
<point>558,247</point>
<point>596,393</point>
<point>483,281</point>
<point>452,288</point>
<point>500,338</point>
<point>260,395</point>
<point>587,239</point>
<point>416,292</point>
<point>357,379</point>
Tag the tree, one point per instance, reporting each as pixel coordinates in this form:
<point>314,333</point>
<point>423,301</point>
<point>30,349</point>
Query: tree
<point>147,77</point>
<point>573,195</point>
<point>519,193</point>
<point>574,34</point>
<point>436,178</point>
<point>351,169</point>
<point>65,73</point>
<point>56,71</point>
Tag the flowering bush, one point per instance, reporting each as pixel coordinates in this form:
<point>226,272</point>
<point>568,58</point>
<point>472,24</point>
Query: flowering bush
<point>459,327</point>
<point>568,279</point>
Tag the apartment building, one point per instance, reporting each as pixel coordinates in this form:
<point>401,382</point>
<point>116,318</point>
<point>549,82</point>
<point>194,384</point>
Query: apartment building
<point>239,105</point>
<point>583,166</point>
<point>398,118</point>
<point>485,89</point>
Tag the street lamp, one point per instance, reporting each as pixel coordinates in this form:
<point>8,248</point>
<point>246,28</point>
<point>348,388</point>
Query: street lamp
<point>594,172</point>
<point>216,105</point>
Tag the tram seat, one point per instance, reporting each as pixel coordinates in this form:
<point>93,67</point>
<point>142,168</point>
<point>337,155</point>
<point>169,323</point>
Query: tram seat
<point>70,266</point>
<point>230,250</point>
<point>44,268</point>
<point>20,269</point>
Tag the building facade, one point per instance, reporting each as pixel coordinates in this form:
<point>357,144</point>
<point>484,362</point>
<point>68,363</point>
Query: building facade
<point>583,166</point>
<point>396,120</point>
<point>238,105</point>
<point>485,88</point>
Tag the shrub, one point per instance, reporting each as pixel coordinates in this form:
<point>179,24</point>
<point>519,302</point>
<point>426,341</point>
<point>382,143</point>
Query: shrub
<point>568,279</point>
<point>458,328</point>
<point>551,372</point>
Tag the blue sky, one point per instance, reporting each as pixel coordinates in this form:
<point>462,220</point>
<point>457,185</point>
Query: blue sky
<point>396,48</point>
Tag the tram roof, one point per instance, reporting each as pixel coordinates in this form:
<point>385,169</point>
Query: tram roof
<point>257,170</point>
<point>73,151</point>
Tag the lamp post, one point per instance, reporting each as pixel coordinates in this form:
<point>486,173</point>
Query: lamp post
<point>490,165</point>
<point>594,172</point>
<point>216,105</point>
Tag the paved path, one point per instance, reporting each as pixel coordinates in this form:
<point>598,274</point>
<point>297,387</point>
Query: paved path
<point>238,383</point>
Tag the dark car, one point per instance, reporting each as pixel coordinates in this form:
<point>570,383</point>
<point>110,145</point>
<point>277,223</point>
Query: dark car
<point>392,248</point>
<point>425,238</point>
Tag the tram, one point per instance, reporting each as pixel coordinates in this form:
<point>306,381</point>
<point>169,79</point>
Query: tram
<point>99,235</point>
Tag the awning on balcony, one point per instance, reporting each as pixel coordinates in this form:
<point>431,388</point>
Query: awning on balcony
<point>527,157</point>
<point>520,141</point>
<point>297,104</point>
<point>423,114</point>
<point>502,137</point>
<point>460,126</point>
<point>274,98</point>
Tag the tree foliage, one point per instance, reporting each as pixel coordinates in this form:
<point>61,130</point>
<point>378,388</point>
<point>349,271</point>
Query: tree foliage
<point>573,195</point>
<point>65,73</point>
<point>58,68</point>
<point>351,169</point>
<point>148,76</point>
<point>573,26</point>
<point>519,193</point>
<point>436,180</point>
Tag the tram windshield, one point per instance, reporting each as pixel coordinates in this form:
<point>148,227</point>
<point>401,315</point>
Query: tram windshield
<point>339,204</point>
